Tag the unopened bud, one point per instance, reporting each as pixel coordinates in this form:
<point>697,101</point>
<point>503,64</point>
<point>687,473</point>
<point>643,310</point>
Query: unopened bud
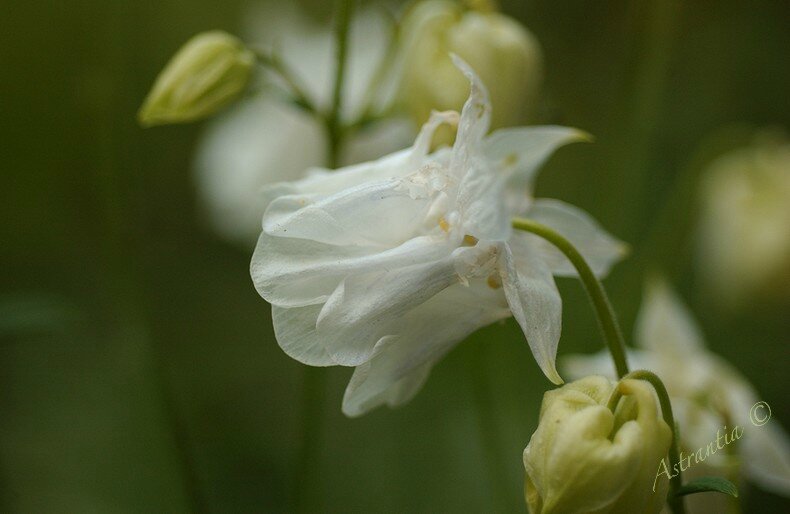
<point>505,55</point>
<point>211,70</point>
<point>584,458</point>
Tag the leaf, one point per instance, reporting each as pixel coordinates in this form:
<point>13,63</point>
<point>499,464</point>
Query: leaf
<point>706,484</point>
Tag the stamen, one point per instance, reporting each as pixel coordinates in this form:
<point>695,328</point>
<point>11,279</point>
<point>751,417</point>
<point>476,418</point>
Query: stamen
<point>470,240</point>
<point>494,281</point>
<point>510,160</point>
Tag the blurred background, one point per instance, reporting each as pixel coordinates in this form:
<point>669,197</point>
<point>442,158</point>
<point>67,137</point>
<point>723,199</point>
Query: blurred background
<point>138,368</point>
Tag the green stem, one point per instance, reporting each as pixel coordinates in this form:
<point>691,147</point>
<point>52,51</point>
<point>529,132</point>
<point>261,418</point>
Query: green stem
<point>298,94</point>
<point>656,36</point>
<point>333,121</point>
<point>603,309</point>
<point>371,111</point>
<point>675,502</point>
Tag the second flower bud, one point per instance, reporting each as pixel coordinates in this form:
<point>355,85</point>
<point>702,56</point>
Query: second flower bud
<point>585,458</point>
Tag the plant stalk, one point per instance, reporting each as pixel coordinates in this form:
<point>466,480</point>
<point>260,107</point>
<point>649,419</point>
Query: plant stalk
<point>603,308</point>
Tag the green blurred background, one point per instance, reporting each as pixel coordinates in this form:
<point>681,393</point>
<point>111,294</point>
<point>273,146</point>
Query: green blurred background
<point>138,369</point>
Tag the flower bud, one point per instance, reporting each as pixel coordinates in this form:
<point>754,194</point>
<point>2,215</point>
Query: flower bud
<point>502,52</point>
<point>584,458</point>
<point>744,239</point>
<point>207,73</point>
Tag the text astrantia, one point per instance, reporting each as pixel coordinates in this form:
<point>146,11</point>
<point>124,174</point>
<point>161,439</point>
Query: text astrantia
<point>686,461</point>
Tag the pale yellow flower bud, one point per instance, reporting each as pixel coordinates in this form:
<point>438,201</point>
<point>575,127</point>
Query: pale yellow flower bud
<point>744,238</point>
<point>583,458</point>
<point>503,53</point>
<point>211,70</point>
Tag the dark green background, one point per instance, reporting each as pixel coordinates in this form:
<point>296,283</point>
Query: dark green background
<point>138,369</point>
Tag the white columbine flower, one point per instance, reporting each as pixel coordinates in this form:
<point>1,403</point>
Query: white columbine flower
<point>706,392</point>
<point>386,265</point>
<point>263,140</point>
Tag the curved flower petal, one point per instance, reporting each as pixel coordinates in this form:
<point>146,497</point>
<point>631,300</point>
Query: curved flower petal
<point>320,182</point>
<point>475,118</point>
<point>480,187</point>
<point>535,303</point>
<point>479,203</point>
<point>519,152</point>
<point>293,272</point>
<point>372,214</point>
<point>295,331</point>
<point>366,308</point>
<point>422,145</point>
<point>599,249</point>
<point>375,383</point>
<point>766,457</point>
<point>764,450</point>
<point>401,363</point>
<point>665,325</point>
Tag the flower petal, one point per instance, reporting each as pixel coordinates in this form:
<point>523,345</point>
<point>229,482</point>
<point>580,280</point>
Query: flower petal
<point>766,457</point>
<point>422,145</point>
<point>535,303</point>
<point>519,152</point>
<point>598,248</point>
<point>475,118</point>
<point>372,214</point>
<point>665,325</point>
<point>400,364</point>
<point>295,331</point>
<point>321,182</point>
<point>480,188</point>
<point>376,383</point>
<point>765,449</point>
<point>365,309</point>
<point>294,272</point>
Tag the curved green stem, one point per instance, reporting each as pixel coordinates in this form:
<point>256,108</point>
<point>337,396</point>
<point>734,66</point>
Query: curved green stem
<point>603,309</point>
<point>675,502</point>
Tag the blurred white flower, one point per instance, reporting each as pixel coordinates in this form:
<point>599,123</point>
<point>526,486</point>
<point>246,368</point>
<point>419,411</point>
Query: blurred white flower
<point>506,55</point>
<point>706,392</point>
<point>388,264</point>
<point>263,141</point>
<point>744,233</point>
<point>585,459</point>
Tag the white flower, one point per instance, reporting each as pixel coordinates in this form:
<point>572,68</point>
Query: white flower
<point>263,140</point>
<point>706,392</point>
<point>745,228</point>
<point>387,265</point>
